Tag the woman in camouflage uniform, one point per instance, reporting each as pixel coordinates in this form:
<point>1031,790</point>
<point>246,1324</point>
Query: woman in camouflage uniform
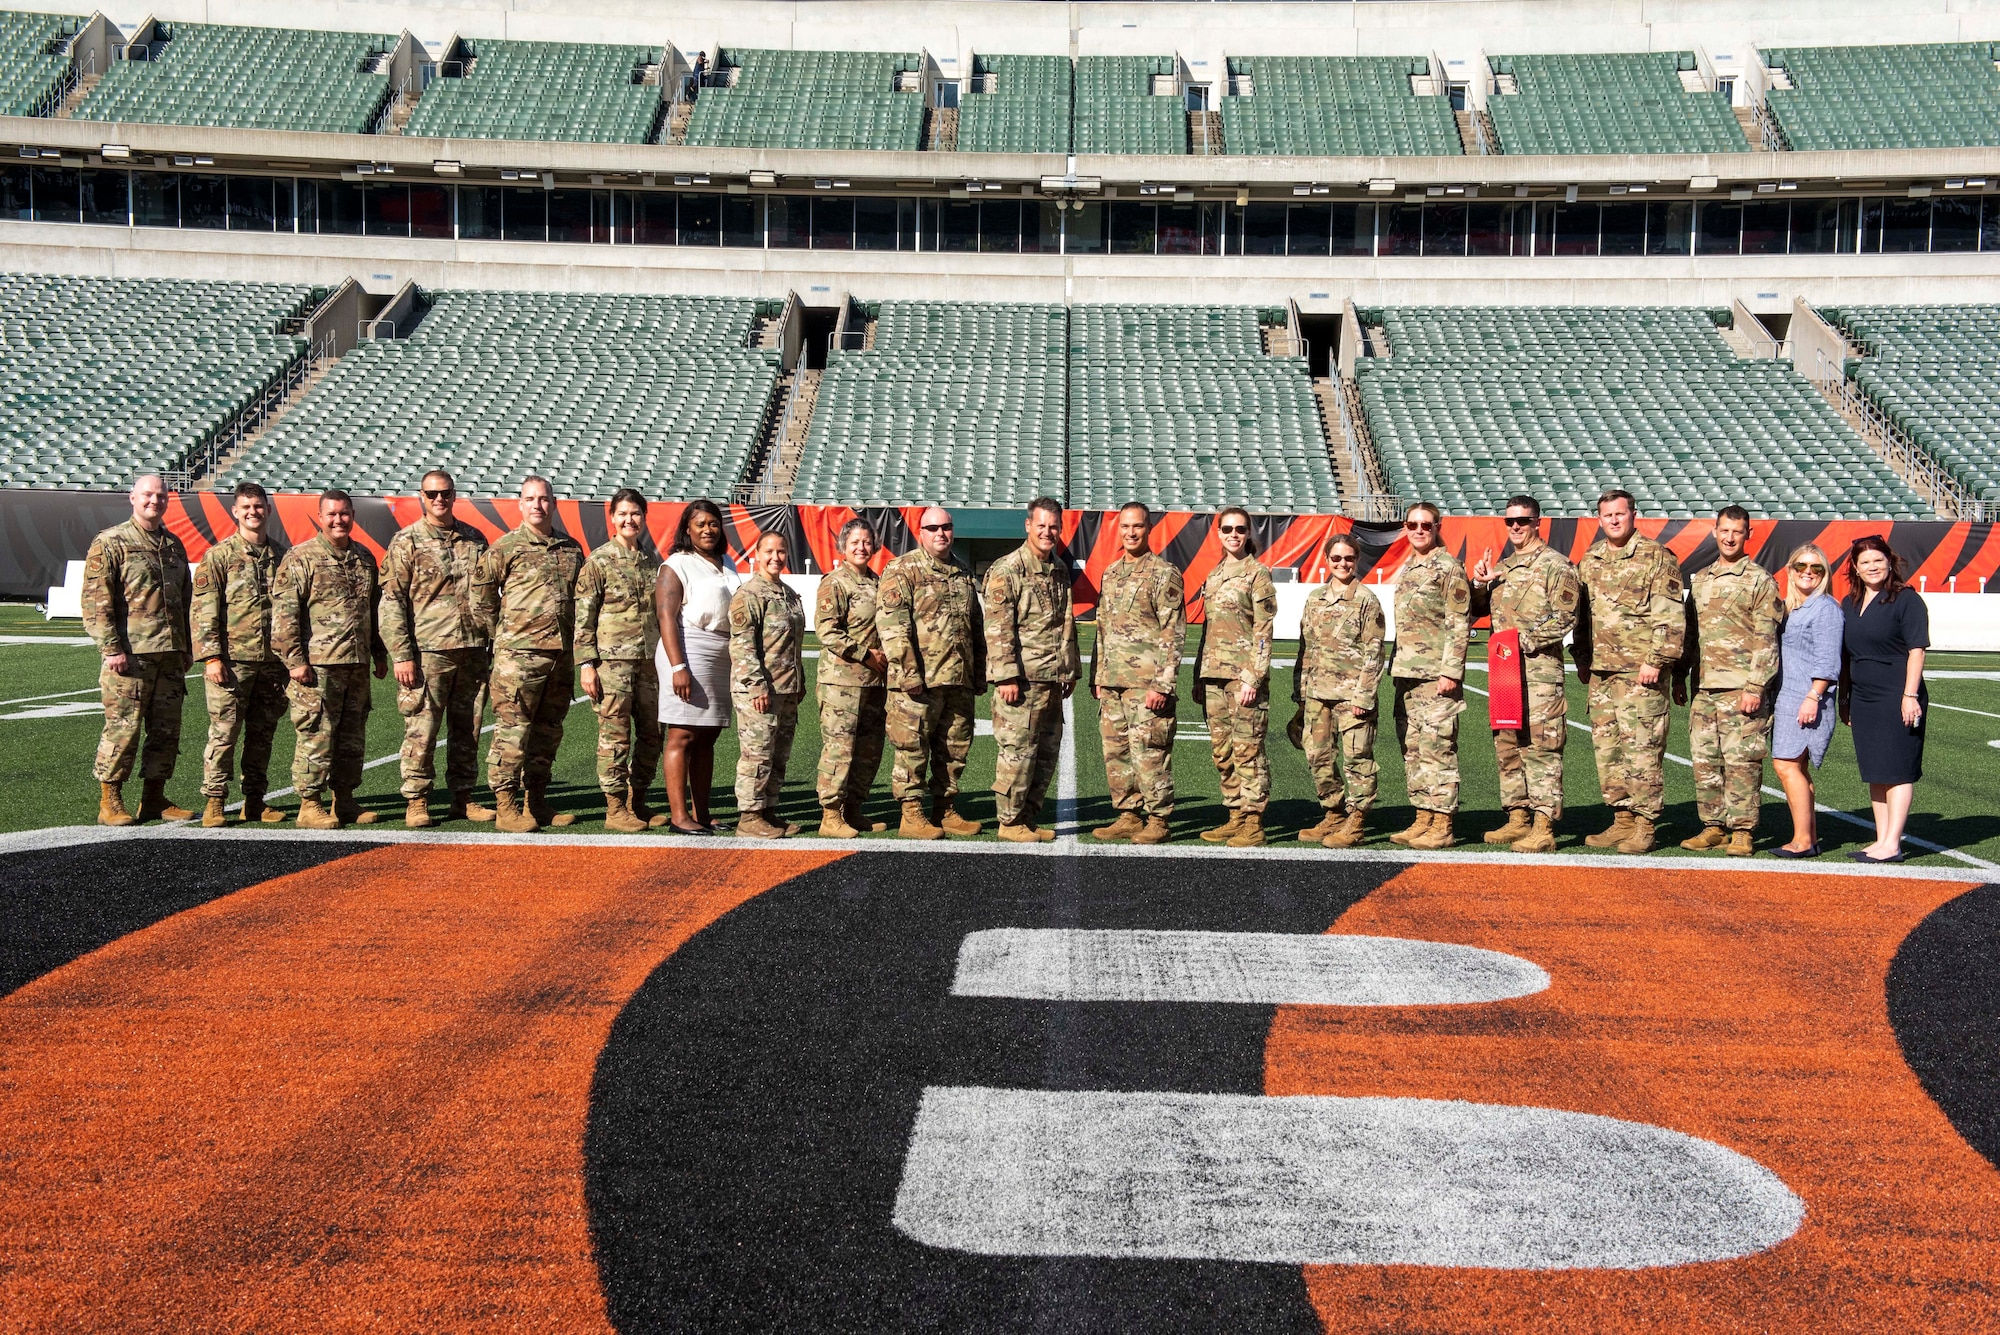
<point>1339,671</point>
<point>767,629</point>
<point>1233,666</point>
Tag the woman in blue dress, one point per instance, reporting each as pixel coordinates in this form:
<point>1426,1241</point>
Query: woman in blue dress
<point>1809,668</point>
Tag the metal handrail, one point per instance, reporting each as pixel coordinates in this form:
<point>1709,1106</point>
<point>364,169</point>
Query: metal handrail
<point>1909,460</point>
<point>205,455</point>
<point>765,489</point>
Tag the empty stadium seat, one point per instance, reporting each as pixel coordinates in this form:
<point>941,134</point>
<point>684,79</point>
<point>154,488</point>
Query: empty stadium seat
<point>1028,110</point>
<point>31,58</point>
<point>1477,403</point>
<point>254,78</point>
<point>1610,104</point>
<point>567,91</point>
<point>810,99</point>
<point>1938,96</point>
<point>1935,372</point>
<point>1335,106</point>
<point>1117,111</point>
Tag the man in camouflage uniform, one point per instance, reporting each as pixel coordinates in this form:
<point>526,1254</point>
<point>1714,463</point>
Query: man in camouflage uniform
<point>1141,625</point>
<point>232,641</point>
<point>617,629</point>
<point>1338,675</point>
<point>439,650</point>
<point>1032,661</point>
<point>1233,665</point>
<point>767,677</point>
<point>135,606</point>
<point>1433,624</point>
<point>852,684</point>
<point>933,634</point>
<point>1629,630</point>
<point>323,626</point>
<point>525,598</point>
<point>1534,591</point>
<point>1731,662</point>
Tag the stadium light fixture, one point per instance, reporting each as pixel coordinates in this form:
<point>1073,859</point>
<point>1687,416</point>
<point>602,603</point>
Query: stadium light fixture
<point>448,167</point>
<point>1919,191</point>
<point>200,159</point>
<point>1703,182</point>
<point>506,175</point>
<point>1569,195</point>
<point>1302,190</point>
<point>183,160</point>
<point>1072,184</point>
<point>1382,185</point>
<point>120,152</point>
<point>763,178</point>
<point>1767,187</point>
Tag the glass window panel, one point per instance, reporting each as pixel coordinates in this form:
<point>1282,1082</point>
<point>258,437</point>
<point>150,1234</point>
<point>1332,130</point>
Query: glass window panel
<point>1307,229</point>
<point>17,199</point>
<point>430,211</point>
<point>569,216</point>
<point>906,224</point>
<point>308,203</point>
<point>1667,227</point>
<point>340,208</point>
<point>205,202</point>
<point>832,223</point>
<point>1402,229</point>
<point>655,218</point>
<point>479,213</point>
<point>1134,229</point>
<point>1211,228</point>
<point>1906,226</point>
<point>527,214</point>
<point>874,223</point>
<point>1444,229</point>
<point>386,209</point>
<point>958,226</point>
<point>1489,228</point>
<point>1354,229</point>
<point>788,222</point>
<point>1871,226</point>
<point>1180,229</point>
<point>1766,225</point>
<point>1815,226</point>
<point>1622,228</point>
<point>1544,224</point>
<point>1000,226</point>
<point>1576,229</point>
<point>743,221</point>
<point>104,198</point>
<point>250,204</point>
<point>58,194</point>
<point>1954,225</point>
<point>1041,228</point>
<point>621,217</point>
<point>1085,234</point>
<point>701,221</point>
<point>1720,230</point>
<point>601,220</point>
<point>1263,229</point>
<point>1989,226</point>
<point>283,198</point>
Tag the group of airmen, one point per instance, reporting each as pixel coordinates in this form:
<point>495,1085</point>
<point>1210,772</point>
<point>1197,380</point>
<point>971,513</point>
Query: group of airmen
<point>904,656</point>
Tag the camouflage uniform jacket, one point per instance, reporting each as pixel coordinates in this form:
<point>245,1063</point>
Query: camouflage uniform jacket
<point>1141,624</point>
<point>1239,603</point>
<point>1340,645</point>
<point>1030,625</point>
<point>615,614</point>
<point>928,615</point>
<point>844,614</point>
<point>1631,614</point>
<point>1537,594</point>
<point>232,601</point>
<point>525,592</point>
<point>427,575</point>
<point>1433,617</point>
<point>135,591</point>
<point>1733,621</point>
<point>767,631</point>
<point>323,608</point>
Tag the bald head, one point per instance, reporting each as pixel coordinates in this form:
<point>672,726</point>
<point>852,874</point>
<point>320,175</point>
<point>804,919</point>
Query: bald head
<point>149,500</point>
<point>934,530</point>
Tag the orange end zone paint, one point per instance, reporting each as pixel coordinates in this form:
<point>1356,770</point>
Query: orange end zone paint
<point>305,1105</point>
<point>1748,1009</point>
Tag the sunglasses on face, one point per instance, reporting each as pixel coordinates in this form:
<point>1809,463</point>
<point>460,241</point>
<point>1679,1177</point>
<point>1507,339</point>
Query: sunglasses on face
<point>430,495</point>
<point>1235,528</point>
<point>1520,521</point>
<point>1340,560</point>
<point>937,528</point>
<point>1418,525</point>
<point>1808,567</point>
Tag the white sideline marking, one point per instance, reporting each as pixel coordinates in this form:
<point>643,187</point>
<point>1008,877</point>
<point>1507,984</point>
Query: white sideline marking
<point>1961,709</point>
<point>1066,826</point>
<point>1315,1180</point>
<point>74,640</point>
<point>63,711</point>
<point>1821,807</point>
<point>1259,968</point>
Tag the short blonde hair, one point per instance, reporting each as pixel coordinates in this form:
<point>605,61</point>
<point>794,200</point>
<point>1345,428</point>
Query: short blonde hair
<point>1795,598</point>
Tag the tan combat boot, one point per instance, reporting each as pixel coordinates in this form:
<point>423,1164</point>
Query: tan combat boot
<point>1349,834</point>
<point>1741,845</point>
<point>619,818</point>
<point>212,814</point>
<point>1127,825</point>
<point>1226,831</point>
<point>946,817</point>
<point>1249,831</point>
<point>1541,838</point>
<point>313,814</point>
<point>916,825</point>
<point>464,808</point>
<point>1641,837</point>
<point>833,824</point>
<point>1517,827</point>
<point>759,825</point>
<point>153,803</point>
<point>1018,833</point>
<point>256,810</point>
<point>1329,821</point>
<point>1156,831</point>
<point>1711,836</point>
<point>538,802</point>
<point>1438,835</point>
<point>1416,827</point>
<point>635,801</point>
<point>349,810</point>
<point>851,813</point>
<point>111,805</point>
<point>1620,831</point>
<point>417,814</point>
<point>512,817</point>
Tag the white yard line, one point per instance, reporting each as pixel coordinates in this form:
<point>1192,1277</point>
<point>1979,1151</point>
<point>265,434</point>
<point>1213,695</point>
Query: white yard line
<point>1961,709</point>
<point>1066,826</point>
<point>73,640</point>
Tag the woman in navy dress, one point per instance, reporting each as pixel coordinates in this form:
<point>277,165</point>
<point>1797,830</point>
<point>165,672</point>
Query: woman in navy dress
<point>1882,695</point>
<point>1809,668</point>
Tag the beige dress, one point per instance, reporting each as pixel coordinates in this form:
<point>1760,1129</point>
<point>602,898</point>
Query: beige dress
<point>706,591</point>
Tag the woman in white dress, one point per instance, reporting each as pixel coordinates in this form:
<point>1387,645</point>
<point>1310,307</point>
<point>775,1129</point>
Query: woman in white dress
<point>697,580</point>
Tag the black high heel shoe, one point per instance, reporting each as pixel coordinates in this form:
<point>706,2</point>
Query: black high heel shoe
<point>1782,852</point>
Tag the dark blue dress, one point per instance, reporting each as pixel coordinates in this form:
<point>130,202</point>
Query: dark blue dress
<point>1876,645</point>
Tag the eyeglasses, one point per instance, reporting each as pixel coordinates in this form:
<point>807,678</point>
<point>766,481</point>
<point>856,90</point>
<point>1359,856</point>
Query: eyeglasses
<point>1807,567</point>
<point>937,528</point>
<point>1521,521</point>
<point>1233,528</point>
<point>430,495</point>
<point>1419,525</point>
<point>1340,560</point>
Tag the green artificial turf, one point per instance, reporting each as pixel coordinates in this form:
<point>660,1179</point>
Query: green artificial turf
<point>49,744</point>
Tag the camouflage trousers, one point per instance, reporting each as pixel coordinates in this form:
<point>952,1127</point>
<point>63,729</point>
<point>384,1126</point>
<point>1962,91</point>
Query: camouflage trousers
<point>1029,737</point>
<point>146,697</point>
<point>1728,749</point>
<point>1531,758</point>
<point>1427,731</point>
<point>1236,741</point>
<point>932,734</point>
<point>851,724</point>
<point>1138,750</point>
<point>763,749</point>
<point>531,694</point>
<point>1628,724</point>
<point>448,696</point>
<point>331,718</point>
<point>249,707</point>
<point>1335,733</point>
<point>631,705</point>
